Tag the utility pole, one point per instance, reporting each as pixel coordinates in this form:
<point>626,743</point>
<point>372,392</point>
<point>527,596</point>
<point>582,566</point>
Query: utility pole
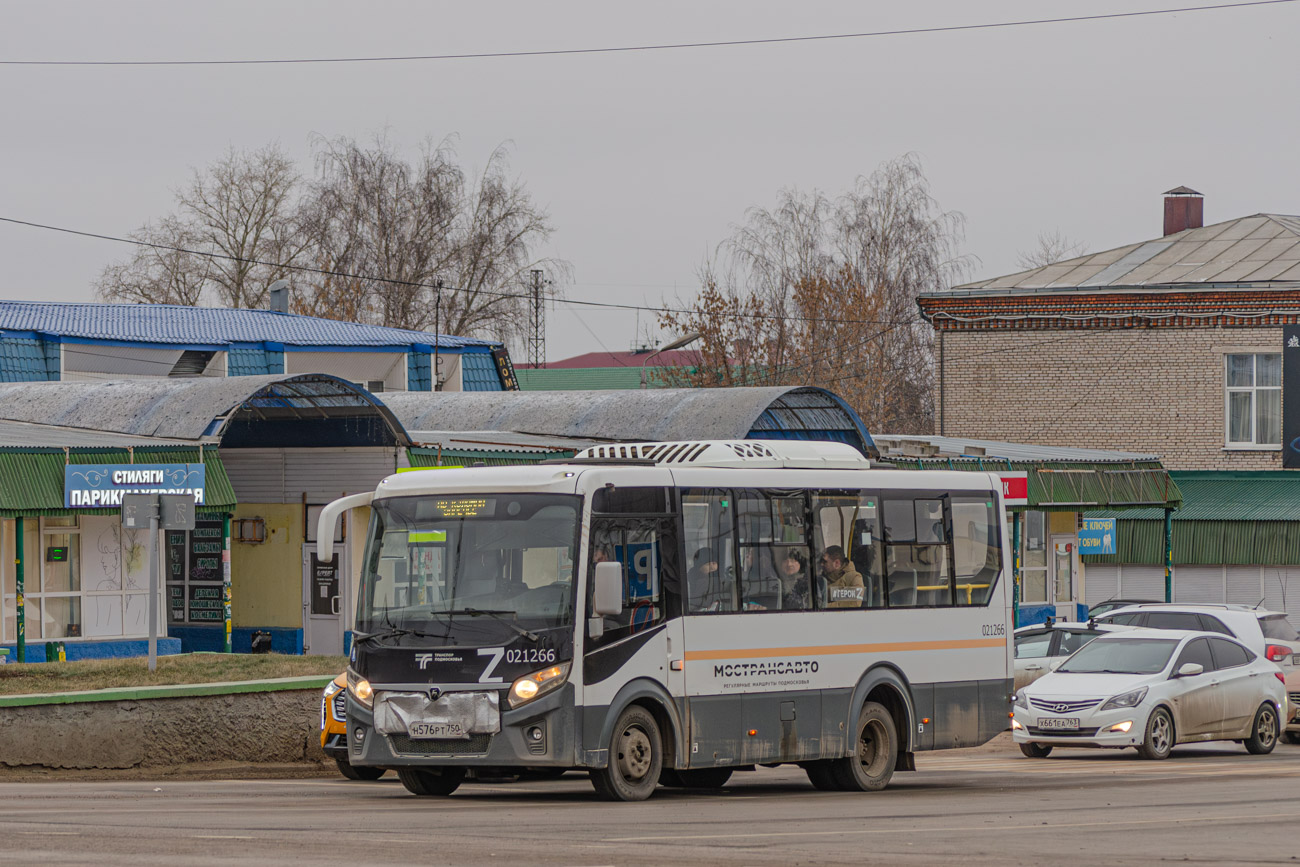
<point>535,348</point>
<point>437,339</point>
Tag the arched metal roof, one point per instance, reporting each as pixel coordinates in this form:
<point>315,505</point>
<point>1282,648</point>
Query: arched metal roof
<point>304,410</point>
<point>656,414</point>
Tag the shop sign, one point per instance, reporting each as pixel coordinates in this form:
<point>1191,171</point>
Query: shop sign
<point>1015,489</point>
<point>102,486</point>
<point>1097,536</point>
<point>1291,397</point>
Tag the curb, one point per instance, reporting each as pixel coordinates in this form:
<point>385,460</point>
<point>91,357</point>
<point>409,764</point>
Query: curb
<point>310,681</point>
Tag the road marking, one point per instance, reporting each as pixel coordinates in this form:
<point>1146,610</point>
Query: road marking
<point>999,829</point>
<point>220,837</point>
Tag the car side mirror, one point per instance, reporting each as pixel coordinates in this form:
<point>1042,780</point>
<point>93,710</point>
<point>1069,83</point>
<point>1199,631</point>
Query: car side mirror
<point>1189,669</point>
<point>607,594</point>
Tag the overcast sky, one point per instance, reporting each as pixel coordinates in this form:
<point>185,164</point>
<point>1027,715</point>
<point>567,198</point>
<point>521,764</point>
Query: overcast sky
<point>646,159</point>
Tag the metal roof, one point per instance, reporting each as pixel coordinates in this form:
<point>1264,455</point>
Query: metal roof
<point>1208,495</point>
<point>208,326</point>
<point>657,414</point>
<point>18,434</point>
<point>192,408</point>
<point>1262,251</point>
<point>914,446</point>
<point>497,441</point>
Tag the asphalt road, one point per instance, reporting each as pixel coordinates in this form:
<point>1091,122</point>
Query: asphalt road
<point>1213,804</point>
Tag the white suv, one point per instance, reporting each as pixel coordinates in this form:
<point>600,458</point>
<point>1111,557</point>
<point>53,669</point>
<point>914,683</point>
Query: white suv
<point>1267,633</point>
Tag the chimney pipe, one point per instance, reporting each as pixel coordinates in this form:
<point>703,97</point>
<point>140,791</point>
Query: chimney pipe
<point>1184,209</point>
<point>279,293</point>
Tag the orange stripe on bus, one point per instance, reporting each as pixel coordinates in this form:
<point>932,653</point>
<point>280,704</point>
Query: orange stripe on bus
<point>762,653</point>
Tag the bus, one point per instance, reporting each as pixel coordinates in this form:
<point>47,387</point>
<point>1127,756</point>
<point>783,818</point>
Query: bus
<point>669,613</point>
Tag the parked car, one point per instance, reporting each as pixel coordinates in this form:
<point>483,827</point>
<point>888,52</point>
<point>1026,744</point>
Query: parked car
<point>1293,706</point>
<point>334,730</point>
<point>1037,647</point>
<point>1151,689</point>
<point>1111,604</point>
<point>1268,633</point>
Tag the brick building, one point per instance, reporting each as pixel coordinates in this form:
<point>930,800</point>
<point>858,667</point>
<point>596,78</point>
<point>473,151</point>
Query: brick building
<point>1172,347</point>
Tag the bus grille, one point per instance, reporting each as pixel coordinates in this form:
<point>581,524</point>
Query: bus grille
<point>422,747</point>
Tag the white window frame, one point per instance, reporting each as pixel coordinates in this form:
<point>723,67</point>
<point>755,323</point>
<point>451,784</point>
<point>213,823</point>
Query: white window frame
<point>1253,390</point>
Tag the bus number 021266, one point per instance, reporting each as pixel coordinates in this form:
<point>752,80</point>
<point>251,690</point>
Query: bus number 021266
<point>993,629</point>
<point>531,655</point>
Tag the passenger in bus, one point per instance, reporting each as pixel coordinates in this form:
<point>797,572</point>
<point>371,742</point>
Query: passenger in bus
<point>703,582</point>
<point>794,581</point>
<point>842,581</point>
<point>759,582</point>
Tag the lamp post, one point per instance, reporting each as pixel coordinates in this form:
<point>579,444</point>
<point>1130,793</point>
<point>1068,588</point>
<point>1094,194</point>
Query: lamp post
<point>676,344</point>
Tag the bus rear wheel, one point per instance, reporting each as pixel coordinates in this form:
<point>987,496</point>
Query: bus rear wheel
<point>431,781</point>
<point>875,753</point>
<point>636,758</point>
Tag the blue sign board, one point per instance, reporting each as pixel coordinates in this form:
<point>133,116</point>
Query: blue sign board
<point>1097,536</point>
<point>101,486</point>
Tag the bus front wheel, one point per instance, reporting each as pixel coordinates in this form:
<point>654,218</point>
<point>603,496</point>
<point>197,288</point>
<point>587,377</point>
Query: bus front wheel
<point>636,758</point>
<point>871,766</point>
<point>426,781</point>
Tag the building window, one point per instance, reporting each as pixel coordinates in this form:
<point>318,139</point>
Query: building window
<point>1253,399</point>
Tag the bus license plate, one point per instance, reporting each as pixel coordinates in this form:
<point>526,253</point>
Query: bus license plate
<point>446,731</point>
<point>1066,723</point>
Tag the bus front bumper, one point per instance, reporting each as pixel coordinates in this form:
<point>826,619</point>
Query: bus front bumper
<point>540,734</point>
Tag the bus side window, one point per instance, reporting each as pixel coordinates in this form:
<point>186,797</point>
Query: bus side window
<point>900,537</point>
<point>711,580</point>
<point>977,550</point>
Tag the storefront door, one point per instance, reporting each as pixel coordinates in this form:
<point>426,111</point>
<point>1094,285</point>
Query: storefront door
<point>1064,578</point>
<point>322,605</point>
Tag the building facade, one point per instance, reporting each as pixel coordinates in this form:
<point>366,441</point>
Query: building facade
<point>1179,347</point>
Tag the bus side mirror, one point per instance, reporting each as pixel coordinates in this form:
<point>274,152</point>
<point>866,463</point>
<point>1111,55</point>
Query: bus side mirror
<point>607,594</point>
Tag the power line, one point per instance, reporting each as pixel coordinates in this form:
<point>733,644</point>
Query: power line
<point>667,46</point>
<point>433,287</point>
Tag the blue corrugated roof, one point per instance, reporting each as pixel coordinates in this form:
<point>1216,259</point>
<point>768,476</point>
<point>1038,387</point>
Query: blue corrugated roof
<point>206,326</point>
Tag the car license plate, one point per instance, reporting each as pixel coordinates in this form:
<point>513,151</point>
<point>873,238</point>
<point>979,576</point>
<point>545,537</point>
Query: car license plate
<point>445,731</point>
<point>1067,723</point>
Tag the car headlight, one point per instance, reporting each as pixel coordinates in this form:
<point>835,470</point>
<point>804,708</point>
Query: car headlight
<point>539,683</point>
<point>1021,701</point>
<point>360,689</point>
<point>1128,699</point>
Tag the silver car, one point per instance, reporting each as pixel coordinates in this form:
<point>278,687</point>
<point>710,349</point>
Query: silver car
<point>1038,648</point>
<point>1151,689</point>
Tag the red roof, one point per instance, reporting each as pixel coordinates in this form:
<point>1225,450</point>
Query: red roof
<point>671,358</point>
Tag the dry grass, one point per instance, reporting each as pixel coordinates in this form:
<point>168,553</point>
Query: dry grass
<point>38,677</point>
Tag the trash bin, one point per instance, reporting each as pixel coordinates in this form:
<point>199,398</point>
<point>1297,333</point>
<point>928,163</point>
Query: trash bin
<point>55,652</point>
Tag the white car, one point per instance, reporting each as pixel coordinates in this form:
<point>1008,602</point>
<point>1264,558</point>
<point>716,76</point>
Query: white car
<point>1038,646</point>
<point>1152,689</point>
<point>1267,633</point>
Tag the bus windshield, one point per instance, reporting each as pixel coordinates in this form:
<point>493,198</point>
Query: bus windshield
<point>469,568</point>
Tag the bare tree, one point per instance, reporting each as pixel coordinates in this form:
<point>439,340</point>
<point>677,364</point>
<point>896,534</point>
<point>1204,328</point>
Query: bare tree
<point>1052,247</point>
<point>823,292</point>
<point>240,209</point>
<point>400,230</point>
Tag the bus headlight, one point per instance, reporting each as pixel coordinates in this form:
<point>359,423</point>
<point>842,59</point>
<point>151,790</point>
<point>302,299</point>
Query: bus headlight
<point>539,683</point>
<point>360,689</point>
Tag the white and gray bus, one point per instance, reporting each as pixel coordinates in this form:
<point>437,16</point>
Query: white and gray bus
<point>667,613</point>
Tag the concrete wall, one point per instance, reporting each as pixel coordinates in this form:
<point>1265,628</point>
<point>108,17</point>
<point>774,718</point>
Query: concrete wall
<point>266,578</point>
<point>1155,391</point>
<point>249,727</point>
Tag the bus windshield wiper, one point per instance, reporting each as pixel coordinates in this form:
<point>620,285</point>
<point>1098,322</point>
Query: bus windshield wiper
<point>495,614</point>
<point>395,633</point>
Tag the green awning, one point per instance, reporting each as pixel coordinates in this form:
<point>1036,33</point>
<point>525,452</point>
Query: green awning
<point>1073,486</point>
<point>1232,518</point>
<point>421,456</point>
<point>31,479</point>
